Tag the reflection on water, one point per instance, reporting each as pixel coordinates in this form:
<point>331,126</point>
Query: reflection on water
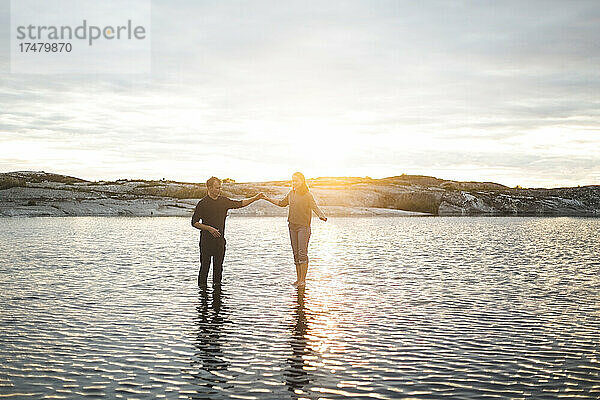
<point>209,358</point>
<point>416,308</point>
<point>296,377</point>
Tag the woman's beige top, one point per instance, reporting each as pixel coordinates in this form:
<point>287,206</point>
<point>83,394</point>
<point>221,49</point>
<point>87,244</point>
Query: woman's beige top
<point>301,207</point>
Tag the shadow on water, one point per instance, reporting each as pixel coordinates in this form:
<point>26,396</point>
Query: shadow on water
<point>209,360</point>
<point>297,378</point>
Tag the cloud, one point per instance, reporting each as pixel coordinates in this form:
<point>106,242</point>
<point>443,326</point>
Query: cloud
<point>259,89</point>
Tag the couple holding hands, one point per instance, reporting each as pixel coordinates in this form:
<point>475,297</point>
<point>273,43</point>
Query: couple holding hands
<point>212,211</point>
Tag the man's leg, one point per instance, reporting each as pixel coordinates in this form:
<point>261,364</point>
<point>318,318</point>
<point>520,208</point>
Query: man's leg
<point>204,266</point>
<point>218,263</point>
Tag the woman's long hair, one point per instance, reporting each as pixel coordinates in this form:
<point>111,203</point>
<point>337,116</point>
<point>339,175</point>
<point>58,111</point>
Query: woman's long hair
<point>303,189</point>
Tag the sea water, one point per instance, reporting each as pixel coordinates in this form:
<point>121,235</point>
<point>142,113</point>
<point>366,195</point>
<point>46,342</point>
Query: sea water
<point>417,307</point>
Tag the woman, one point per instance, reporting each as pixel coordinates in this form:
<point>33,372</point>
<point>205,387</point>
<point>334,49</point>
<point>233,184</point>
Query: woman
<point>301,205</point>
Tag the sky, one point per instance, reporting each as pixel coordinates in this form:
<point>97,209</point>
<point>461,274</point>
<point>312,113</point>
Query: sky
<point>502,91</point>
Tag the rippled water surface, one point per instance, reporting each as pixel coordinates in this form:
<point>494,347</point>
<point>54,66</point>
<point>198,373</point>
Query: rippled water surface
<point>394,308</point>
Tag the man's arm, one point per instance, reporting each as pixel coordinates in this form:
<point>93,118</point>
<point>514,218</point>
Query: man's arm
<point>198,225</point>
<point>213,231</point>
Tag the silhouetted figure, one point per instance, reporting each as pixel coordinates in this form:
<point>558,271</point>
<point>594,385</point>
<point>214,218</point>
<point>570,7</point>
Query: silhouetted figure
<point>212,210</point>
<point>301,206</point>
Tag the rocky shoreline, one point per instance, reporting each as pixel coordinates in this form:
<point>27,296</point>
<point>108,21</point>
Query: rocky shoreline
<point>37,193</point>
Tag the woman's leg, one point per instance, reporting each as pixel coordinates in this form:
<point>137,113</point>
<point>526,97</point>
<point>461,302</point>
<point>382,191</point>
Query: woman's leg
<point>294,241</point>
<point>298,274</point>
<point>303,238</point>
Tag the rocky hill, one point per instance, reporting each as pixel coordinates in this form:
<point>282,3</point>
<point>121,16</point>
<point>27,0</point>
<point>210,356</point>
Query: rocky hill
<point>37,193</point>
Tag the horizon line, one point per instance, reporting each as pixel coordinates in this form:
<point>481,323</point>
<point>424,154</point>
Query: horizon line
<point>285,180</point>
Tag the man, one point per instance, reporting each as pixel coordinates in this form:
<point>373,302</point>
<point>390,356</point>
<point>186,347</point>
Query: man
<point>212,210</point>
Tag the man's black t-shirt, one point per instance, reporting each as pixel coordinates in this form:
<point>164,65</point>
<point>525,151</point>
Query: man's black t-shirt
<point>213,212</point>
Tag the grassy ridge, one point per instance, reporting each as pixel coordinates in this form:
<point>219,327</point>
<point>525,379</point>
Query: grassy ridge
<point>7,182</point>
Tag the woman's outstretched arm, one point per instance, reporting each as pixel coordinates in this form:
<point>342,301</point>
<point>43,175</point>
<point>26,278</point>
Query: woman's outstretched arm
<point>316,209</point>
<point>281,203</point>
